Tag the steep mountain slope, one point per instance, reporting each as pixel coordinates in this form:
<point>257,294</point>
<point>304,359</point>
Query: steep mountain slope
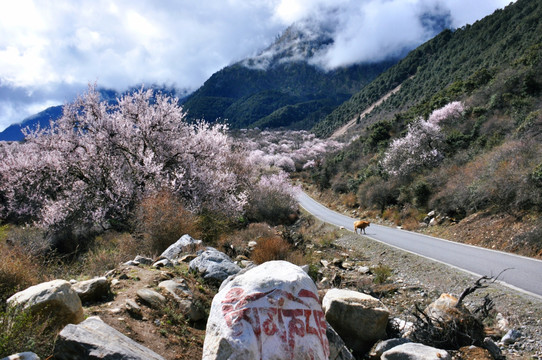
<point>472,54</point>
<point>482,165</point>
<point>281,86</point>
<point>41,119</point>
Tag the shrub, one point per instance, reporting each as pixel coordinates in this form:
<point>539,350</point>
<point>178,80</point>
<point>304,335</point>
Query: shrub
<point>382,273</point>
<point>161,219</point>
<point>272,200</point>
<point>18,270</point>
<point>377,193</point>
<point>111,249</point>
<point>422,193</point>
<point>497,180</point>
<point>529,242</point>
<point>21,330</point>
<point>213,225</point>
<point>30,239</point>
<point>271,248</point>
<point>236,243</point>
<point>350,200</point>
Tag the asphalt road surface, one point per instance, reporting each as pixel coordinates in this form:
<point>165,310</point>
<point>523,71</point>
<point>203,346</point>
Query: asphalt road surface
<point>524,274</point>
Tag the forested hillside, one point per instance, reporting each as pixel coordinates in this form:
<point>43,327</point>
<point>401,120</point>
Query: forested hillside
<point>280,87</point>
<point>461,137</point>
<point>452,64</point>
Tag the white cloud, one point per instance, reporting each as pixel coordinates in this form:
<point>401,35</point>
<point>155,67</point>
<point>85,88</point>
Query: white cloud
<point>63,43</point>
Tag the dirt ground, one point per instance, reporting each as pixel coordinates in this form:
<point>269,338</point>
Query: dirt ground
<point>411,280</point>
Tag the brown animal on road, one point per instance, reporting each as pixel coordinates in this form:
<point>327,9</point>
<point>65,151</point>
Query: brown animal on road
<point>361,225</point>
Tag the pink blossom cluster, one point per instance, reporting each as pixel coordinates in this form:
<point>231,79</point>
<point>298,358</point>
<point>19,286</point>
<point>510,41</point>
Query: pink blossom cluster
<point>449,111</point>
<point>98,160</point>
<point>287,149</point>
<point>421,146</point>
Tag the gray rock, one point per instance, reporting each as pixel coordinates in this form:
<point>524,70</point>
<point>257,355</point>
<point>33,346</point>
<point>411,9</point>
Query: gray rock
<point>93,289</point>
<point>133,308</point>
<point>385,345</point>
<point>337,347</point>
<point>415,351</point>
<point>358,318</point>
<point>511,337</point>
<point>177,288</point>
<point>151,298</point>
<point>143,260</point>
<point>213,265</point>
<point>94,339</point>
<point>163,263</point>
<point>186,243</point>
<point>131,263</point>
<point>184,298</point>
<point>22,356</point>
<point>57,296</point>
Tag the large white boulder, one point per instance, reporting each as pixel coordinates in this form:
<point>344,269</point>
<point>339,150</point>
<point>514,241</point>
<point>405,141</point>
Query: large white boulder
<point>268,312</point>
<point>61,301</point>
<point>358,318</point>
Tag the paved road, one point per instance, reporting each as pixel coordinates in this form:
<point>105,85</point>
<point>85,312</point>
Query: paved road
<point>524,274</point>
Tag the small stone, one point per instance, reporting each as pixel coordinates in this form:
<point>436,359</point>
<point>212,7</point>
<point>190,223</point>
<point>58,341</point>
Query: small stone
<point>133,308</point>
<point>143,260</point>
<point>511,337</point>
<point>162,263</point>
<point>151,297</point>
<point>324,263</point>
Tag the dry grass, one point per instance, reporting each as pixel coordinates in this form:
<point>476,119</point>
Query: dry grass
<point>18,270</point>
<point>161,219</point>
<point>271,248</point>
<point>110,250</point>
<point>349,200</point>
<point>236,243</point>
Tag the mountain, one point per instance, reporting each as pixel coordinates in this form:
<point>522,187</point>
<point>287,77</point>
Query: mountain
<point>41,119</point>
<point>283,86</point>
<point>483,165</point>
<point>468,57</point>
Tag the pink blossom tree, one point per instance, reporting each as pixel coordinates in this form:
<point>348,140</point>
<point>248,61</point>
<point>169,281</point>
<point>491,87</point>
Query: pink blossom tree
<point>421,146</point>
<point>98,160</point>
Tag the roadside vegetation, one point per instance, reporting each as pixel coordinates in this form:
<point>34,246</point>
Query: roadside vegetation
<point>461,138</point>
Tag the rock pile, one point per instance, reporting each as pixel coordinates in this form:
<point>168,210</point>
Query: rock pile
<point>271,311</point>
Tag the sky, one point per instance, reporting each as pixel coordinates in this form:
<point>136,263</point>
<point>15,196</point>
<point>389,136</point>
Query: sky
<point>51,50</point>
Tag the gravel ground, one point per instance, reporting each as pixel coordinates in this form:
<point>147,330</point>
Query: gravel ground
<point>423,280</point>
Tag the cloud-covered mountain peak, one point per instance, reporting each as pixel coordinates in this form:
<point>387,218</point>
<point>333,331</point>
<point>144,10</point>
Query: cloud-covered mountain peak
<point>302,41</point>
